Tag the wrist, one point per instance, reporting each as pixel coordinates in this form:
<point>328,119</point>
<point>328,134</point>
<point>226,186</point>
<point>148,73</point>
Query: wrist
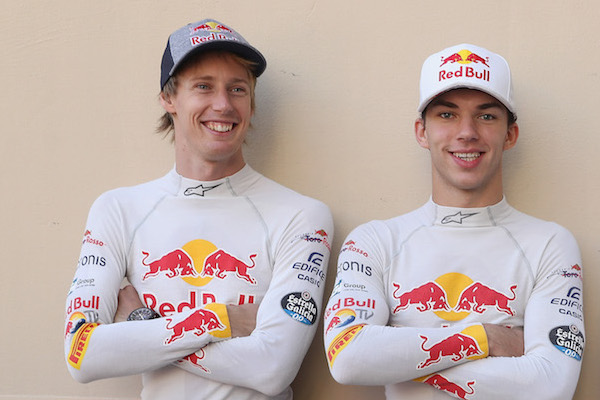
<point>142,313</point>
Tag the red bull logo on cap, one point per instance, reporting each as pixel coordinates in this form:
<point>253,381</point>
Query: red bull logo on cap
<point>453,296</point>
<point>210,27</point>
<point>463,58</point>
<point>197,263</point>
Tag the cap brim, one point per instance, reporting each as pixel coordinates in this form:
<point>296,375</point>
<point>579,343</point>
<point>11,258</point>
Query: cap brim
<point>243,50</point>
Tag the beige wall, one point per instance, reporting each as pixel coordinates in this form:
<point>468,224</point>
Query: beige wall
<point>335,114</point>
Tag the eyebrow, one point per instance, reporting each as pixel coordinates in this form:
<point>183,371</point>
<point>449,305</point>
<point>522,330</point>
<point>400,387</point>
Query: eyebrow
<point>449,104</point>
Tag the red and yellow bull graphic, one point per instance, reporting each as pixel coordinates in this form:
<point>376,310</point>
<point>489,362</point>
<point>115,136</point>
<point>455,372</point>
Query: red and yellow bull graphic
<point>457,347</point>
<point>341,341</point>
<point>440,382</point>
<point>463,58</point>
<point>198,322</point>
<point>198,262</point>
<point>195,359</point>
<point>79,345</point>
<point>453,296</point>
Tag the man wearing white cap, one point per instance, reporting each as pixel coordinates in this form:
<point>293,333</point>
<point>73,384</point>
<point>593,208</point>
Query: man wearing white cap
<point>464,297</point>
<point>227,267</point>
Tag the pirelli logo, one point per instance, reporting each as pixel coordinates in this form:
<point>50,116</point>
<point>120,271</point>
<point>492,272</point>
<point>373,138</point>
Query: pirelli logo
<point>341,341</point>
<point>80,344</point>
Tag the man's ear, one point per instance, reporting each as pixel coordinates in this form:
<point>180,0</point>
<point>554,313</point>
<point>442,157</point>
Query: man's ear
<point>166,102</point>
<point>512,134</point>
<point>421,134</point>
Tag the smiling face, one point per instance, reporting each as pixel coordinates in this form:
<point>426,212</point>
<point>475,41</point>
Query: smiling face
<point>211,112</point>
<point>466,132</point>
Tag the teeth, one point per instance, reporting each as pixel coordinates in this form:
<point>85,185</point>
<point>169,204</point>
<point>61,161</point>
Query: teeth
<point>219,126</point>
<point>467,156</point>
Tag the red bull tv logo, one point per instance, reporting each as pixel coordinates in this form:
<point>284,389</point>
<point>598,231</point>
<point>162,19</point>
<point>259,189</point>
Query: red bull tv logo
<point>470,65</point>
<point>341,318</point>
<point>198,262</point>
<point>453,296</point>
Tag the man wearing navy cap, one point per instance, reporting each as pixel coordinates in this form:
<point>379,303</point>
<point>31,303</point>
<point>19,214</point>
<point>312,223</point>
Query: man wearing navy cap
<point>227,267</point>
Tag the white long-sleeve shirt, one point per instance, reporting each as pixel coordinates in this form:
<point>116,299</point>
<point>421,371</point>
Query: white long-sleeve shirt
<point>412,293</point>
<point>190,248</point>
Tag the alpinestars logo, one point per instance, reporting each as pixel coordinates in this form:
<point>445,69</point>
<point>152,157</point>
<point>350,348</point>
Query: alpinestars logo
<point>199,190</point>
<point>456,218</point>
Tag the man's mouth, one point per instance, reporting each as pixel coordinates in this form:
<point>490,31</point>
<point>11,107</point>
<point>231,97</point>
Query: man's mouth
<point>219,126</point>
<point>467,156</point>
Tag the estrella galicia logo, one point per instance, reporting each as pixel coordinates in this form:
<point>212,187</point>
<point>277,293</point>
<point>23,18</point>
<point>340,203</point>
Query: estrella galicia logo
<point>300,306</point>
<point>456,218</point>
<point>569,340</point>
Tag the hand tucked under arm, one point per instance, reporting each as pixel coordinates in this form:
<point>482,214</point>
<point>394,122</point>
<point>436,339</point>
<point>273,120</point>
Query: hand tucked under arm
<point>129,300</point>
<point>504,341</point>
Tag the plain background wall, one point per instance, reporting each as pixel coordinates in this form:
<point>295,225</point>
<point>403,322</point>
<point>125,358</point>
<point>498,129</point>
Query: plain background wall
<point>334,121</point>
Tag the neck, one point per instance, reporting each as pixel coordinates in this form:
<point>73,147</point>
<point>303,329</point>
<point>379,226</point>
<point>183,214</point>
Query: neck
<point>450,196</point>
<point>207,171</point>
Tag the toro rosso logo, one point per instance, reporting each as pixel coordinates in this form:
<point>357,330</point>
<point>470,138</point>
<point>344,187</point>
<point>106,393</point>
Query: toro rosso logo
<point>199,322</point>
<point>453,296</point>
<point>198,262</point>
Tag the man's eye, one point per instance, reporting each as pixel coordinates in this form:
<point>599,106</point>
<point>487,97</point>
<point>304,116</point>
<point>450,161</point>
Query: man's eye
<point>446,115</point>
<point>488,117</point>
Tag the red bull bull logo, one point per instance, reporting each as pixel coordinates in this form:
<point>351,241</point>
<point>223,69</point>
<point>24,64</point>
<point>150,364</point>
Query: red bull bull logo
<point>198,322</point>
<point>429,296</point>
<point>195,359</point>
<point>175,263</point>
<point>210,27</point>
<point>441,383</point>
<point>478,296</point>
<point>453,296</point>
<point>198,262</point>
<point>221,263</point>
<point>457,347</point>
<point>464,57</point>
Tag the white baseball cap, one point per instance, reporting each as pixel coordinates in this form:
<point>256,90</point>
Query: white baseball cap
<point>466,66</point>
